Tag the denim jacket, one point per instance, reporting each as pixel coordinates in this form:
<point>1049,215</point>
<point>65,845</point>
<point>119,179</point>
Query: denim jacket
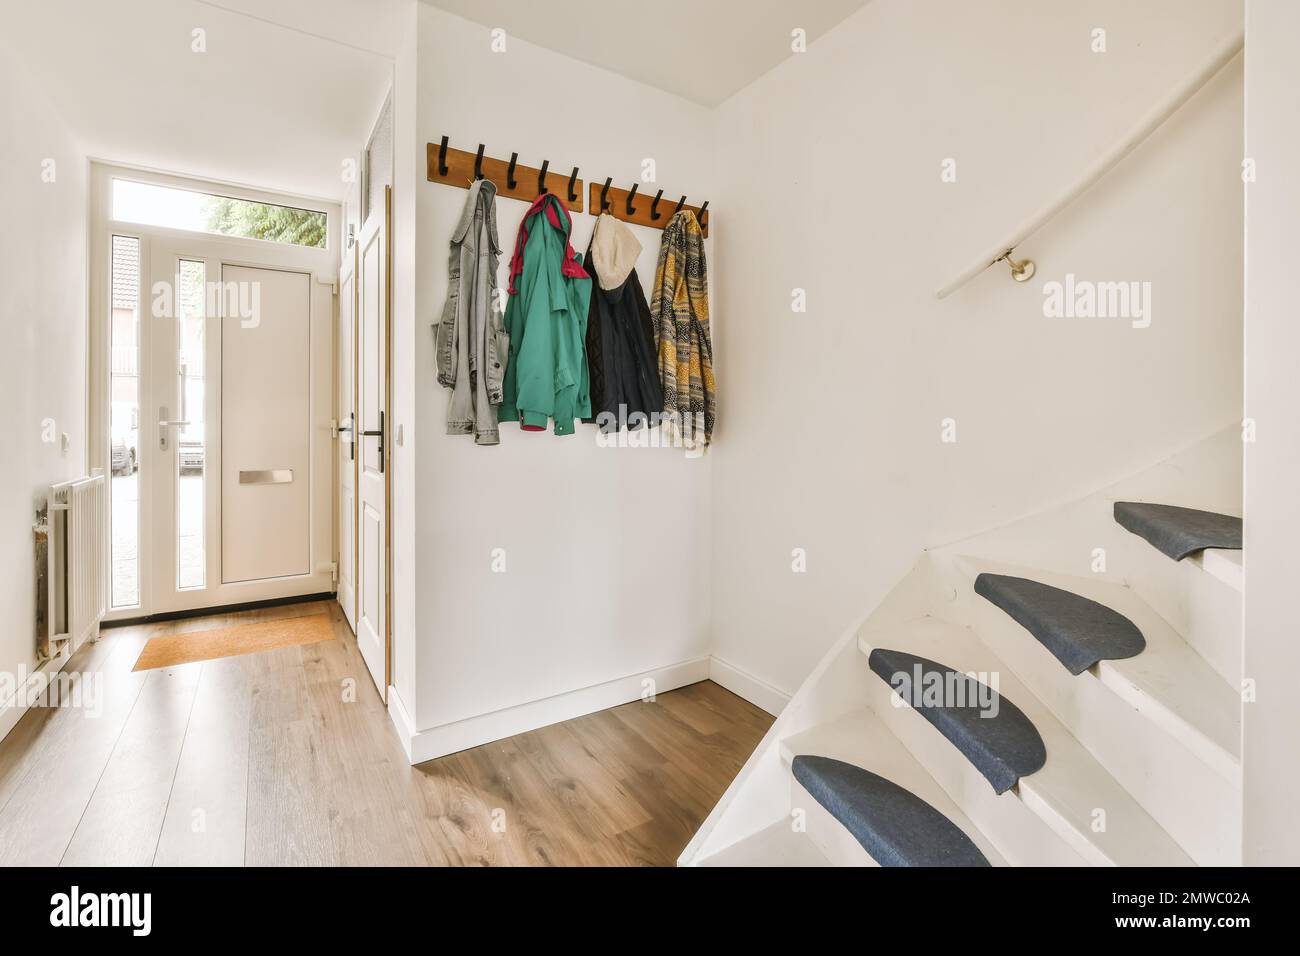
<point>471,343</point>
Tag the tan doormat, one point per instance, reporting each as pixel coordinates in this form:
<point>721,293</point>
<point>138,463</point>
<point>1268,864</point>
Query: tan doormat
<point>172,649</point>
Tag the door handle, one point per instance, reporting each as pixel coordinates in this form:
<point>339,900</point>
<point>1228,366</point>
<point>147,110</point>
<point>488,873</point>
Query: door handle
<point>163,424</point>
<point>350,428</point>
<point>380,433</point>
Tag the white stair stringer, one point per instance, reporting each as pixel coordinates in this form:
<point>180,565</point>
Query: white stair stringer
<point>1069,812</point>
<point>774,845</point>
<point>1163,723</point>
<point>759,797</point>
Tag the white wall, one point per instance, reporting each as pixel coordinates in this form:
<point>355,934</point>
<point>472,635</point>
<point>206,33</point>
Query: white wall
<point>829,431</point>
<point>408,257</point>
<point>607,549</point>
<point>43,315</point>
<point>1272,474</point>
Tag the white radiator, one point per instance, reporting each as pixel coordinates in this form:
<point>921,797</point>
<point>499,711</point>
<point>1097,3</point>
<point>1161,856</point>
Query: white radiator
<point>77,576</point>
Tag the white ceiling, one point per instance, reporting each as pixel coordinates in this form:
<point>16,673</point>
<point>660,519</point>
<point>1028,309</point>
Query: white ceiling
<point>365,24</point>
<point>288,89</point>
<point>268,105</point>
<point>703,50</point>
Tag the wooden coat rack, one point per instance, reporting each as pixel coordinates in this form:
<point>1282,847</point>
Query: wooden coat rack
<point>636,207</point>
<point>456,167</point>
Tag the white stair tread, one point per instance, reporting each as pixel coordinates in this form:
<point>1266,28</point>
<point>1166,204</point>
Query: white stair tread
<point>1221,563</point>
<point>1169,682</point>
<point>776,845</point>
<point>862,740</point>
<point>1072,785</point>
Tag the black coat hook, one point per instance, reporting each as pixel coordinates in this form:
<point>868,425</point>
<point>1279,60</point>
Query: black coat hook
<point>442,158</point>
<point>630,197</point>
<point>680,203</point>
<point>541,177</point>
<point>573,178</point>
<point>510,173</point>
<point>604,190</point>
<point>654,206</point>
<point>478,162</point>
<point>703,210</point>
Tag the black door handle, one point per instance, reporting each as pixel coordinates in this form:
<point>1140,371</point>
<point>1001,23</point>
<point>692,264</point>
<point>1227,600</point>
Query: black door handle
<point>380,433</point>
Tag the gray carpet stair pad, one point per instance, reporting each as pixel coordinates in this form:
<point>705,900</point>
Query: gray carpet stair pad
<point>894,825</point>
<point>1077,630</point>
<point>1178,532</point>
<point>992,732</point>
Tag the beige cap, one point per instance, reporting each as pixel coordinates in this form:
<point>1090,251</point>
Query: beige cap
<point>614,251</point>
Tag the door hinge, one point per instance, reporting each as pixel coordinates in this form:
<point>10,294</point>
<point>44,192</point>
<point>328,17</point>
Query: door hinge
<point>334,572</point>
<point>334,428</point>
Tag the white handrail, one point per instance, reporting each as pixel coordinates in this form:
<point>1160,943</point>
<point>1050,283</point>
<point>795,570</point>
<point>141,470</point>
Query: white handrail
<point>1221,56</point>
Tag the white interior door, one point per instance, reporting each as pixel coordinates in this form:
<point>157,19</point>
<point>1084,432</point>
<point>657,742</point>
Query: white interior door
<point>373,444</point>
<point>346,452</point>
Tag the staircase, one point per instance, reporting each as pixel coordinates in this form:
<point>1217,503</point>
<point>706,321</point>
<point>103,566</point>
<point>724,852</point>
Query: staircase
<point>1061,691</point>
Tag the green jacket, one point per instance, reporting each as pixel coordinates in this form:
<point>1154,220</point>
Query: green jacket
<point>546,320</point>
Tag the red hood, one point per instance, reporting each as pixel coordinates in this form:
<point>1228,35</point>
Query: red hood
<point>551,205</point>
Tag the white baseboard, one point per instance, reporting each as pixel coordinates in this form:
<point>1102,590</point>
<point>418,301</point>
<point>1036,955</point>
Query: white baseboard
<point>401,719</point>
<point>744,684</point>
<point>472,731</point>
<point>12,710</point>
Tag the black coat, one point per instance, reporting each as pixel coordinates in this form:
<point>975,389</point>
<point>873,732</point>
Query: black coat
<point>621,355</point>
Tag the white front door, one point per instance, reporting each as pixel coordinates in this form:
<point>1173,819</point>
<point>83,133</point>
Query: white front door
<point>373,444</point>
<point>227,428</point>
<point>213,366</point>
<point>346,453</point>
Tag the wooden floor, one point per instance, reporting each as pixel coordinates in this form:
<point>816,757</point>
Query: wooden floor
<point>288,758</point>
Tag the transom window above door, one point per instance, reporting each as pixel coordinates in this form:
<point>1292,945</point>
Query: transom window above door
<point>152,204</point>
